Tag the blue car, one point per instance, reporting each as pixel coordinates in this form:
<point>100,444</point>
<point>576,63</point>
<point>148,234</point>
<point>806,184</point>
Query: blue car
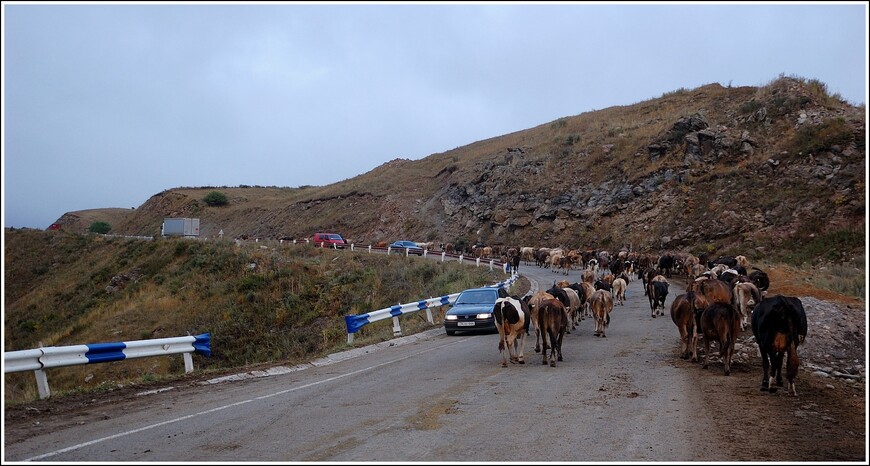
<point>409,245</point>
<point>472,310</point>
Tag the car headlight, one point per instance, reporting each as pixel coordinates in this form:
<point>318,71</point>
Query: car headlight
<point>486,315</point>
<point>450,317</point>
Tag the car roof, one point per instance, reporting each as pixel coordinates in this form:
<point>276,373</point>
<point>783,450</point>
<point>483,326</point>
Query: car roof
<point>483,288</point>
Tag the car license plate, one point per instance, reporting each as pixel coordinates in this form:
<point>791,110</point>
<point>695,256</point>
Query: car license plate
<point>466,324</point>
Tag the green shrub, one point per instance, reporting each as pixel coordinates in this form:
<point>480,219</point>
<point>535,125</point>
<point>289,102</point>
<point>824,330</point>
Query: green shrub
<point>100,227</point>
<point>216,199</point>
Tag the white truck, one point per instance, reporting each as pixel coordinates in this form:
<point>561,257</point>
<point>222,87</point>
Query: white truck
<point>180,227</point>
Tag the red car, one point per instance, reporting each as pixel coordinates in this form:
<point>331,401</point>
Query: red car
<point>329,240</point>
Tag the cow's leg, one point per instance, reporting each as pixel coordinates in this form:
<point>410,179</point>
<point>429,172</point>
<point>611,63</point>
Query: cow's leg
<point>777,368</point>
<point>706,352</point>
<point>791,368</point>
<point>765,368</point>
<point>684,342</point>
<point>544,336</point>
<point>729,350</point>
<point>522,348</point>
<point>538,339</point>
<point>694,339</point>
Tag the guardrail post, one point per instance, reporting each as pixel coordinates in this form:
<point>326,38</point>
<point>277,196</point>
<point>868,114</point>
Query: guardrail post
<point>407,251</point>
<point>460,258</point>
<point>477,262</point>
<point>351,247</point>
<point>370,249</point>
<point>425,251</point>
<point>429,316</point>
<point>443,254</point>
<point>388,250</point>
<point>42,384</point>
<point>188,363</point>
<point>491,264</point>
<point>349,338</point>
<point>397,330</point>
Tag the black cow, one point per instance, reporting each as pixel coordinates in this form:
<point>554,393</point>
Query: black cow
<point>731,262</point>
<point>658,292</point>
<point>760,279</point>
<point>779,324</point>
<point>666,265</point>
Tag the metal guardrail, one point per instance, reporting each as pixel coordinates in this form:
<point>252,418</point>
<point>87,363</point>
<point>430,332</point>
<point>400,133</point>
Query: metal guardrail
<point>355,322</point>
<point>60,356</point>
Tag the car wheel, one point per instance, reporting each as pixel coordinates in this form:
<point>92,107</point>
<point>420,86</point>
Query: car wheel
<point>451,332</point>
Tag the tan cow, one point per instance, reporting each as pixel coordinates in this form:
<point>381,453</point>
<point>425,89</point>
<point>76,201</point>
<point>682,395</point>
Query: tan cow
<point>744,298</point>
<point>601,303</point>
<point>618,291</point>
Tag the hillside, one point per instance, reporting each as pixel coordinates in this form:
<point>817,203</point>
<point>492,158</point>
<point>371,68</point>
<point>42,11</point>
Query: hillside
<point>260,301</point>
<point>720,170</point>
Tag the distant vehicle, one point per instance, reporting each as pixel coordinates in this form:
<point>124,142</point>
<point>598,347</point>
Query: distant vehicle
<point>409,245</point>
<point>328,240</point>
<point>473,310</point>
<point>187,227</point>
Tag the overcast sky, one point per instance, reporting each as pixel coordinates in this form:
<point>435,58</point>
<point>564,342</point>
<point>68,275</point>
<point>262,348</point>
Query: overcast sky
<point>105,105</point>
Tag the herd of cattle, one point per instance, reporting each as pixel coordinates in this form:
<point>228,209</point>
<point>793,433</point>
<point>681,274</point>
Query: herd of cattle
<point>720,301</point>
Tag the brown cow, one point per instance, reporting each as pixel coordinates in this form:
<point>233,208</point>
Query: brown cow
<point>719,322</point>
<point>512,324</point>
<point>601,303</point>
<point>714,289</point>
<point>553,322</point>
<point>534,301</point>
<point>683,311</point>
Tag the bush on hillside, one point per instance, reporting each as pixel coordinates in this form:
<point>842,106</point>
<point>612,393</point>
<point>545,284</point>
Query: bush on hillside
<point>215,199</point>
<point>100,227</point>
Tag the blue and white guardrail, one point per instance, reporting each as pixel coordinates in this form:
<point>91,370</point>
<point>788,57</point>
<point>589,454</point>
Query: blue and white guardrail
<point>60,356</point>
<point>357,321</point>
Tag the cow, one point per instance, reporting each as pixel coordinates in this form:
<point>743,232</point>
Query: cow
<point>726,260</point>
<point>619,286</point>
<point>779,324</point>
<point>646,277</point>
<point>534,302</point>
<point>601,303</point>
<point>683,311</point>
<point>527,253</point>
<point>715,290</point>
<point>666,265</point>
<point>588,289</point>
<point>760,279</point>
<point>658,292</point>
<point>587,276</point>
<point>553,323</point>
<point>512,323</point>
<point>745,297</point>
<point>721,323</point>
<point>571,300</point>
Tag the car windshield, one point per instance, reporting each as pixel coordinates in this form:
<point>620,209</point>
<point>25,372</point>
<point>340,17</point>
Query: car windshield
<point>338,237</point>
<point>476,297</point>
